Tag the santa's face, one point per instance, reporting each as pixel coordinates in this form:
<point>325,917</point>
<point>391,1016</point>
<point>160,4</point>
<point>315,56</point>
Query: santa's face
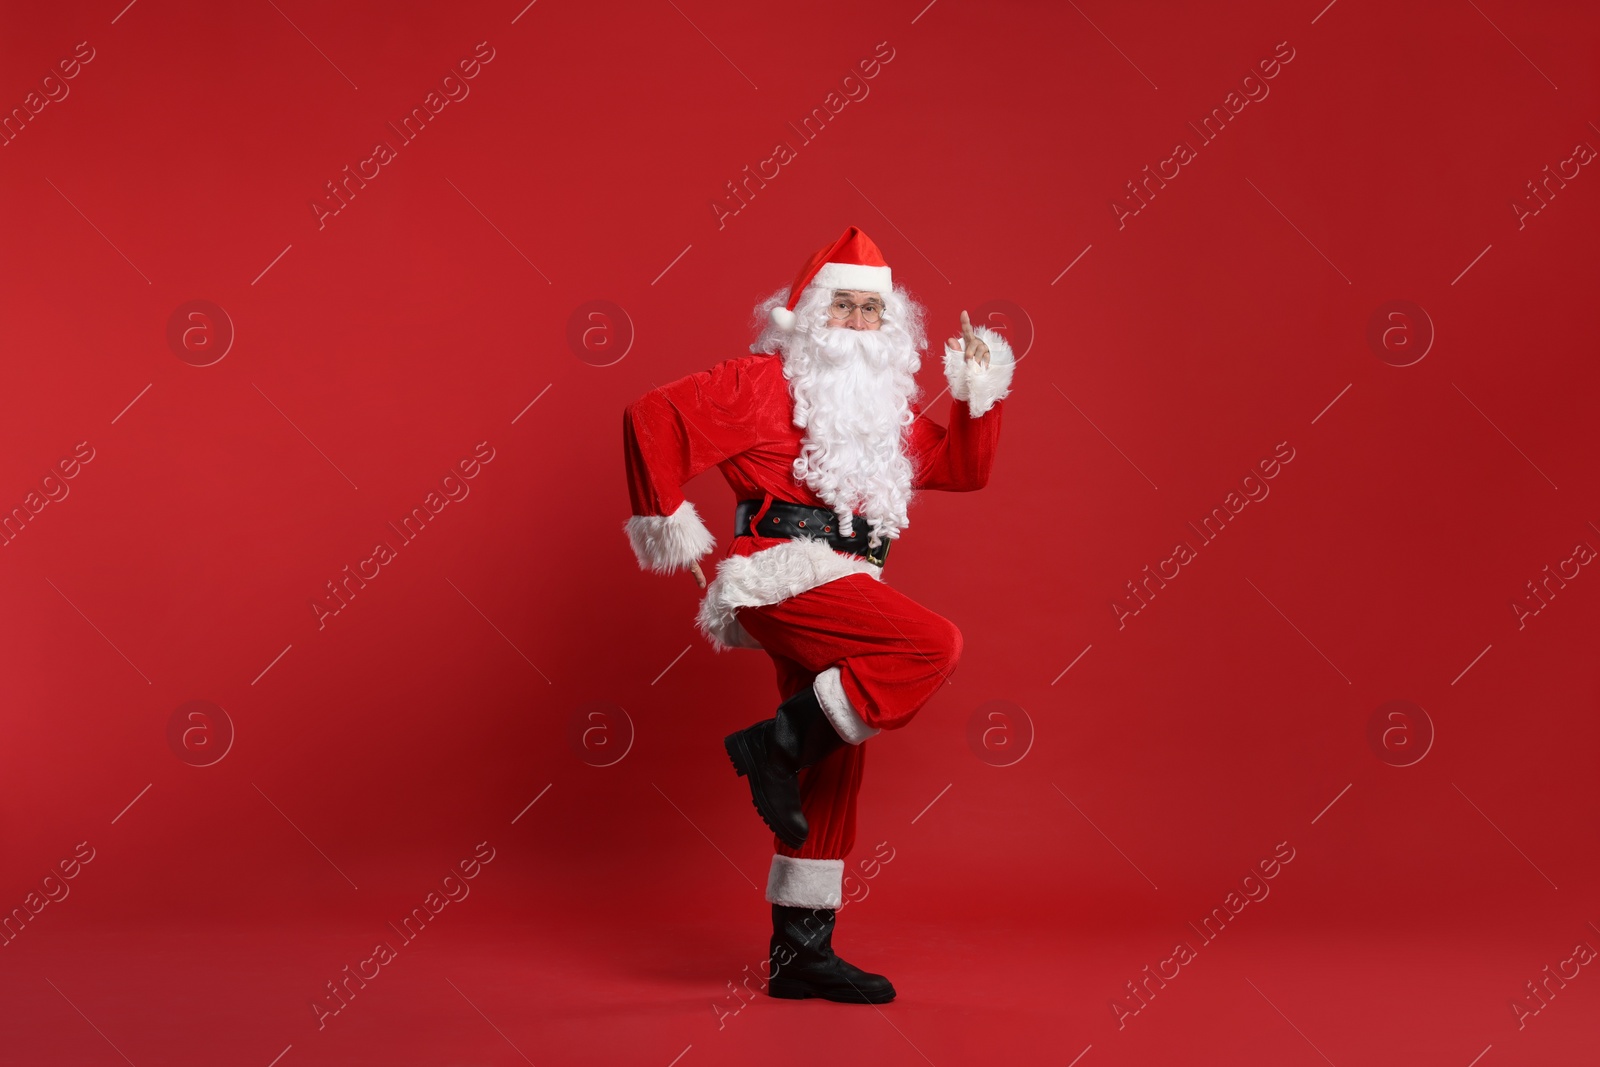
<point>856,309</point>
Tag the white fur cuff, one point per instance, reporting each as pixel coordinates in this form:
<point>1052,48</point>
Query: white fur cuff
<point>980,387</point>
<point>666,543</point>
<point>846,721</point>
<point>803,883</point>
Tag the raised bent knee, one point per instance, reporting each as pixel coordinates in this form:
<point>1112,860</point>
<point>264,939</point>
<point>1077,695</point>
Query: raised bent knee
<point>950,643</point>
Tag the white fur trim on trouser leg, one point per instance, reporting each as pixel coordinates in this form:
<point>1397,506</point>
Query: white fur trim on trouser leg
<point>665,543</point>
<point>980,387</point>
<point>846,721</point>
<point>802,883</point>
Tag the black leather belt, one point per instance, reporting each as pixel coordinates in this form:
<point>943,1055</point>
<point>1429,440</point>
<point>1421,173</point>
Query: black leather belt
<point>784,518</point>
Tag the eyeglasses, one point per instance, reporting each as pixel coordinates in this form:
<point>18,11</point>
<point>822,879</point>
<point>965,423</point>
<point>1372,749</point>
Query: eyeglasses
<point>842,309</point>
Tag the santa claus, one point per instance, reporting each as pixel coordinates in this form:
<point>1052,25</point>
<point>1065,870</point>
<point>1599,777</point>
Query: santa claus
<point>821,437</point>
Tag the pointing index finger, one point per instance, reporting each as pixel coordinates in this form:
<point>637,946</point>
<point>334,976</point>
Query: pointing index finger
<point>966,327</point>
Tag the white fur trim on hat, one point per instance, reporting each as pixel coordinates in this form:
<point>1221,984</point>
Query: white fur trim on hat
<point>665,543</point>
<point>847,722</point>
<point>797,882</point>
<point>980,387</point>
<point>853,276</point>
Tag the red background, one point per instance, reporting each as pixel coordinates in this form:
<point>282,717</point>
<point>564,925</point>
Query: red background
<point>374,352</point>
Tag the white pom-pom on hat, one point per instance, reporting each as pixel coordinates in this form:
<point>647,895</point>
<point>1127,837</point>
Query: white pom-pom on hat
<point>783,318</point>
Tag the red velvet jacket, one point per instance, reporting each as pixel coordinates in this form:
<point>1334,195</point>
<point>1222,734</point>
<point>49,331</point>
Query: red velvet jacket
<point>739,417</point>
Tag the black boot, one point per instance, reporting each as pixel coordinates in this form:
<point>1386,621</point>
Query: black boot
<point>772,752</point>
<point>804,964</point>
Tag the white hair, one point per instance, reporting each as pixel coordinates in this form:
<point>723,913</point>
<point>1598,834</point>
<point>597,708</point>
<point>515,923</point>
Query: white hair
<point>852,391</point>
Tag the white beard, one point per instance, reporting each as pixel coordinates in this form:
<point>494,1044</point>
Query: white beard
<point>852,394</point>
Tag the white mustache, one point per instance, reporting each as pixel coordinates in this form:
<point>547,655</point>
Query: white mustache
<point>842,345</point>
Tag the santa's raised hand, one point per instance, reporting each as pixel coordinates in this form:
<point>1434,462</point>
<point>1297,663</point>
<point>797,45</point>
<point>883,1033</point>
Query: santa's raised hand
<point>975,350</point>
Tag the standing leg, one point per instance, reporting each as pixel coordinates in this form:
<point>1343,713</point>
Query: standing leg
<point>813,872</point>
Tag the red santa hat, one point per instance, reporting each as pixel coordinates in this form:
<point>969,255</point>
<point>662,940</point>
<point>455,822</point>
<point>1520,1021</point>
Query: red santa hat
<point>851,262</point>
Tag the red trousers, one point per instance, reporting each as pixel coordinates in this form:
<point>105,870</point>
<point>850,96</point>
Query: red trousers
<point>893,654</point>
